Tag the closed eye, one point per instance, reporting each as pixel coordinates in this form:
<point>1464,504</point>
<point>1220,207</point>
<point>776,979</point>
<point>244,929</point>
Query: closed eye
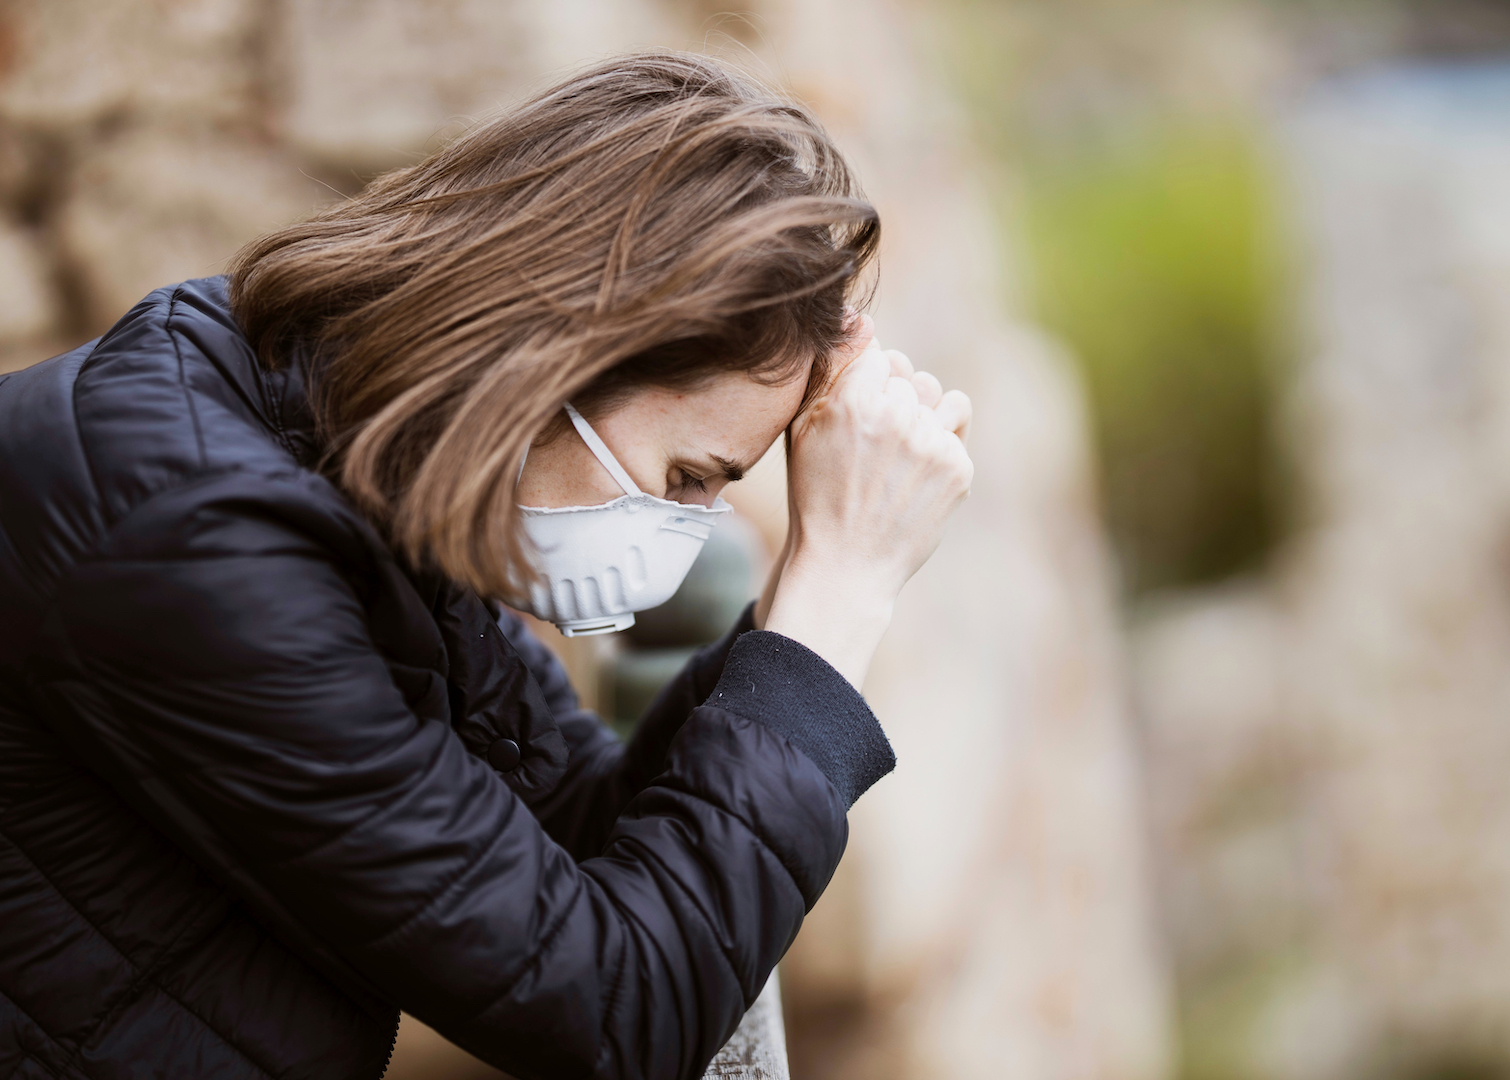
<point>699,478</point>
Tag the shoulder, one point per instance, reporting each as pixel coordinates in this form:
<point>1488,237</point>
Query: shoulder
<point>158,432</point>
<point>172,391</point>
<point>245,512</point>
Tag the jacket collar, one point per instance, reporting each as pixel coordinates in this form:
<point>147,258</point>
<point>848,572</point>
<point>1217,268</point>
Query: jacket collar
<point>279,397</point>
<point>289,413</point>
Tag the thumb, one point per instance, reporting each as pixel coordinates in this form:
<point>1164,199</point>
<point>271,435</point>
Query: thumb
<point>859,341</point>
<point>860,330</point>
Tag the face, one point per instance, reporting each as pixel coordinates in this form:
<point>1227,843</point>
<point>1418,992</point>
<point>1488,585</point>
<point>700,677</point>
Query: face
<point>683,445</point>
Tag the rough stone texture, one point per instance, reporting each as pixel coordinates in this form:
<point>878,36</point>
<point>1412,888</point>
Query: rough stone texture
<point>73,61</point>
<point>156,205</point>
<point>756,1051</point>
<point>15,166</point>
<point>440,62</point>
<point>28,308</point>
<point>1328,747</point>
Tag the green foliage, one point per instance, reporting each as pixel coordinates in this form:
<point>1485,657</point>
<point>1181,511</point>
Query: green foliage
<point>1461,1067</point>
<point>1145,223</point>
<point>1153,258</point>
<point>1219,1013</point>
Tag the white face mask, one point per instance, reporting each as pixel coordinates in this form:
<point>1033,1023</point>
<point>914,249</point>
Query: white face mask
<point>600,564</point>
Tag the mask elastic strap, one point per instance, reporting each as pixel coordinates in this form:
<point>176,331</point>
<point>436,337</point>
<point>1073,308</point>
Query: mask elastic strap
<point>601,452</point>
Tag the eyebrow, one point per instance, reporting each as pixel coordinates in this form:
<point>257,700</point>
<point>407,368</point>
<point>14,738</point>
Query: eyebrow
<point>732,470</point>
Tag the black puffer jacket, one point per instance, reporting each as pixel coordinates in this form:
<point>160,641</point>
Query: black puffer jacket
<point>260,786</point>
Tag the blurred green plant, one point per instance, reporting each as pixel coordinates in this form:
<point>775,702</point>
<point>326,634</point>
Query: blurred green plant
<point>1153,257</point>
<point>1143,220</point>
<point>1218,1016</point>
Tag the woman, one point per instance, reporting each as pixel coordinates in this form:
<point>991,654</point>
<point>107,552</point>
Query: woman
<point>269,769</point>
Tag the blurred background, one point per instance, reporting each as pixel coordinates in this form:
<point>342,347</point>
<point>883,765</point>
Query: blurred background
<point>1203,708</point>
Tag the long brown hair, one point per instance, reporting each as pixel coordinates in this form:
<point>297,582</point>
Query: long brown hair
<point>656,219</point>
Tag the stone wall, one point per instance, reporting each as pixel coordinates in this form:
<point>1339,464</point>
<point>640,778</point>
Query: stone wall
<point>1327,744</point>
<point>142,143</point>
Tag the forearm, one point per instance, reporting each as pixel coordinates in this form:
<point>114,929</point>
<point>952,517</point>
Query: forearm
<point>832,610</point>
<point>762,610</point>
<point>659,946</point>
<point>874,468</point>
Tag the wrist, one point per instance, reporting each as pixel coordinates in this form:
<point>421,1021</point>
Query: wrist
<point>773,579</point>
<point>859,596</point>
<point>837,612</point>
<point>866,587</point>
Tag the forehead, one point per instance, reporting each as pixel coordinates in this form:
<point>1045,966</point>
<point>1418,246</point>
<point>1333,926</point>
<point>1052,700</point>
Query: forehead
<point>729,412</point>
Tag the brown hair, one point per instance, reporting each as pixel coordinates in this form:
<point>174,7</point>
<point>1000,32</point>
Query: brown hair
<point>656,219</point>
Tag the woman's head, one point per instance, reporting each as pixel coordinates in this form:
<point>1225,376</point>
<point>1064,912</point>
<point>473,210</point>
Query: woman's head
<point>656,233</point>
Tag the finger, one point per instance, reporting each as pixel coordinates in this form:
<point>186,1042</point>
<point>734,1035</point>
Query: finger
<point>859,332</point>
<point>865,367</point>
<point>871,368</point>
<point>900,393</point>
<point>954,412</point>
<point>859,336</point>
<point>928,388</point>
<point>900,365</point>
<point>927,418</point>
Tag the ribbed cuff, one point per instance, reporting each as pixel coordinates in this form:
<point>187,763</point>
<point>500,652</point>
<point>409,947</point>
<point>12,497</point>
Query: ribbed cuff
<point>786,686</point>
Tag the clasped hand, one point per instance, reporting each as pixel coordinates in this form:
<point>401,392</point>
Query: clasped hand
<point>875,467</point>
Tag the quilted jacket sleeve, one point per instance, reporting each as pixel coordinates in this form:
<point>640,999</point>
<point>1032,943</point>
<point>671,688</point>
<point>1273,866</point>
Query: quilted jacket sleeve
<point>221,646</point>
<point>603,773</point>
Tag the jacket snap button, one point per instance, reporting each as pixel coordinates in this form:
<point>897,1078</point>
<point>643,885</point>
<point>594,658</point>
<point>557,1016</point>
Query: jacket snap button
<point>503,755</point>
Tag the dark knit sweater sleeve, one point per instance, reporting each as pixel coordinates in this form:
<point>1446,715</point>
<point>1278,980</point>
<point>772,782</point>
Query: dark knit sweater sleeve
<point>792,690</point>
